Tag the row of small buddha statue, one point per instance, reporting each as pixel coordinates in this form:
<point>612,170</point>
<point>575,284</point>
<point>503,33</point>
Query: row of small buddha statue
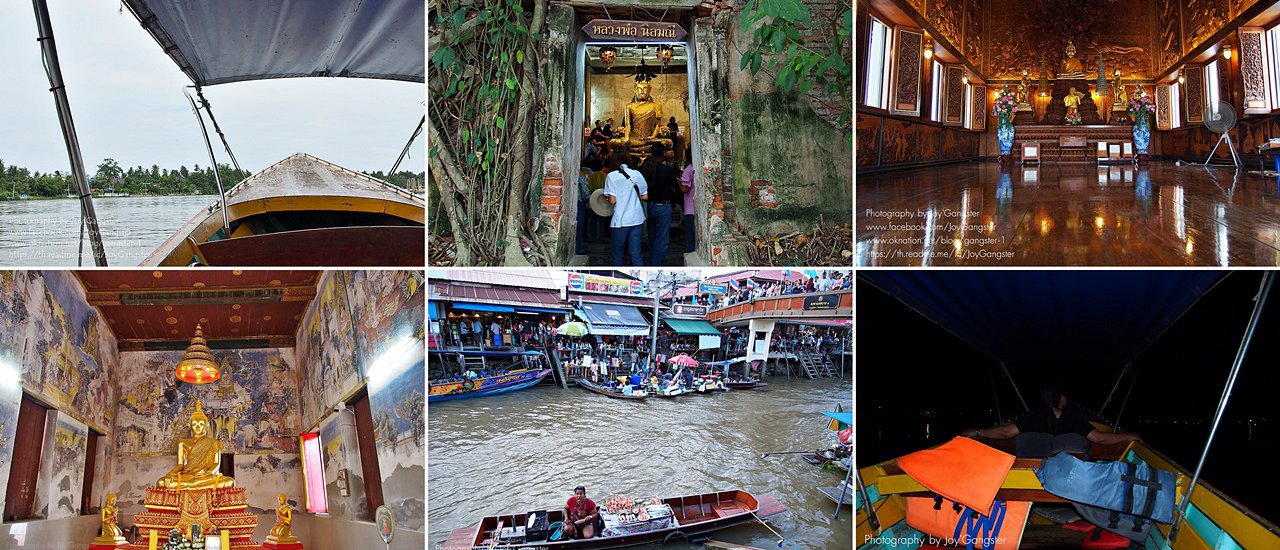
<point>112,535</point>
<point>1072,69</point>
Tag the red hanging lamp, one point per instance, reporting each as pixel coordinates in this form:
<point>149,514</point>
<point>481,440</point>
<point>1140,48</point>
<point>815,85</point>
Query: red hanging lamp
<point>197,365</point>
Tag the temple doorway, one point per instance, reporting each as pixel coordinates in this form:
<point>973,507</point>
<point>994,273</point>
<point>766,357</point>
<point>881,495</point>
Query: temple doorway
<point>635,97</point>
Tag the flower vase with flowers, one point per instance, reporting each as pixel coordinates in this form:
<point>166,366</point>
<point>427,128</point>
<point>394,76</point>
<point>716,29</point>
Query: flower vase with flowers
<point>1140,108</point>
<point>1006,104</point>
<point>1073,119</point>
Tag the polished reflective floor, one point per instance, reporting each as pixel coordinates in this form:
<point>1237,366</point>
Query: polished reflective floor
<point>1063,215</point>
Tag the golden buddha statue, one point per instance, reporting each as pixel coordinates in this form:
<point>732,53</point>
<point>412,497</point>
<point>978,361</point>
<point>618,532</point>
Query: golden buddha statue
<point>1072,100</point>
<point>1024,88</point>
<point>1121,101</point>
<point>643,122</point>
<point>283,529</point>
<point>199,459</point>
<point>1071,67</point>
<point>111,533</point>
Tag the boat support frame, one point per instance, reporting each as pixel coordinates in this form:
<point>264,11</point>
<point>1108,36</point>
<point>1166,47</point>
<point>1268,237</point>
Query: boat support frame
<point>217,176</point>
<point>1179,518</point>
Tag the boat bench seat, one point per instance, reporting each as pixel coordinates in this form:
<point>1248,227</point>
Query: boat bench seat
<point>728,509</point>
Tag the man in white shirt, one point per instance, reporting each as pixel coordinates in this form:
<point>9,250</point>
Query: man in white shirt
<point>626,188</point>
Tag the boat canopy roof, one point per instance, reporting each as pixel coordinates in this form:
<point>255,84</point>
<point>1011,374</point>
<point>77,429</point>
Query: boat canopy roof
<point>843,417</point>
<point>238,40</point>
<point>1107,316</point>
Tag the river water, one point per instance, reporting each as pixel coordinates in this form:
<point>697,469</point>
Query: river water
<point>47,232</point>
<point>527,450</point>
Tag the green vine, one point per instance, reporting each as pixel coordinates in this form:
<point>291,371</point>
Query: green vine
<point>482,94</point>
<point>820,68</point>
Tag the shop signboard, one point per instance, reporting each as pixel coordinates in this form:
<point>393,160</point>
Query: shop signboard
<point>822,302</point>
<point>600,284</point>
<point>633,31</point>
<point>713,288</point>
<point>689,309</point>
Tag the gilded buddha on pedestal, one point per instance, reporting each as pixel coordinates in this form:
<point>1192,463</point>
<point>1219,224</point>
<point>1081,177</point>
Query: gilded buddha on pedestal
<point>199,459</point>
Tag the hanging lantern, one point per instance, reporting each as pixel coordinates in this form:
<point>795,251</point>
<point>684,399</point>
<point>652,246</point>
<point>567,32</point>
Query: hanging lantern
<point>665,53</point>
<point>197,365</point>
<point>608,55</point>
<point>928,49</point>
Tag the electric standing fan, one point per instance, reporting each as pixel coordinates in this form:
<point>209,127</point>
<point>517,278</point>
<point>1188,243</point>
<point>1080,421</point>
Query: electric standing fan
<point>1221,119</point>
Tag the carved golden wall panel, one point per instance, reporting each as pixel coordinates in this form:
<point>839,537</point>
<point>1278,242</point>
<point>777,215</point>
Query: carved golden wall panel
<point>906,74</point>
<point>945,15</point>
<point>973,32</point>
<point>1253,72</point>
<point>1170,43</point>
<point>978,110</point>
<point>954,98</point>
<point>1163,120</point>
<point>1125,40</point>
<point>1202,18</point>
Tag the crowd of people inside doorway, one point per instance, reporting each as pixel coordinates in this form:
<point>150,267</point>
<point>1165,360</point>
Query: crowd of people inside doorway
<point>645,197</point>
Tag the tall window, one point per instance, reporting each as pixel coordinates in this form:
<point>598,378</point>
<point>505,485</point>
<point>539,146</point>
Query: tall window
<point>1271,55</point>
<point>1175,105</point>
<point>878,66</point>
<point>1211,92</point>
<point>967,107</point>
<point>935,108</point>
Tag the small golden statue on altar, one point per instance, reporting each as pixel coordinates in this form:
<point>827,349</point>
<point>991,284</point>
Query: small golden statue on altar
<point>643,123</point>
<point>1071,67</point>
<point>112,536</point>
<point>1072,101</point>
<point>281,536</point>
<point>199,459</point>
<point>1121,101</point>
<point>1024,90</point>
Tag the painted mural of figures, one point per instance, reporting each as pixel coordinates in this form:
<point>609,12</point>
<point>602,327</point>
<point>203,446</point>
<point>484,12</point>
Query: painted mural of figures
<point>248,436</point>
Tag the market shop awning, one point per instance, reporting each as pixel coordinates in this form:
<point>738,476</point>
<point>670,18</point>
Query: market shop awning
<point>487,298</point>
<point>843,323</point>
<point>575,297</point>
<point>613,320</point>
<point>691,326</point>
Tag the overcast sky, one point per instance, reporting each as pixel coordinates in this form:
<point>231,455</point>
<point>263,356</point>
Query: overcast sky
<point>127,101</point>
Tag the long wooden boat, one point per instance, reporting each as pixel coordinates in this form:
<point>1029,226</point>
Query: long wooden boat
<point>597,388</point>
<point>1213,520</point>
<point>492,385</point>
<point>303,211</point>
<point>746,384</point>
<point>696,515</point>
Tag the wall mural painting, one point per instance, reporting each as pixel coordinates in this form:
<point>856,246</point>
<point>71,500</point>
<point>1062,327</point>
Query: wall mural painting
<point>389,307</point>
<point>398,420</point>
<point>265,476</point>
<point>64,348</point>
<point>59,495</point>
<point>341,457</point>
<point>327,348</point>
<point>253,407</point>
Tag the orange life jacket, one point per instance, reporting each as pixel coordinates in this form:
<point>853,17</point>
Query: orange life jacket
<point>956,524</point>
<point>962,470</point>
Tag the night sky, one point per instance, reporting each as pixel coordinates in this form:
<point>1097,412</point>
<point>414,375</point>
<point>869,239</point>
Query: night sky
<point>914,376</point>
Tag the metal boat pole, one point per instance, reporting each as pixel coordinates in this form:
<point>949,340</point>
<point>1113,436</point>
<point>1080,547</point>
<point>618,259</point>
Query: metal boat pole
<point>866,501</point>
<point>1015,385</point>
<point>843,487</point>
<point>1123,404</point>
<point>1268,278</point>
<point>1110,394</point>
<point>405,152</point>
<point>88,216</point>
<point>209,109</point>
<point>217,177</point>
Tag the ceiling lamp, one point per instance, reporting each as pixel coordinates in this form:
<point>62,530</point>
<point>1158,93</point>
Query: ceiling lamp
<point>608,55</point>
<point>665,53</point>
<point>197,365</point>
<point>928,49</point>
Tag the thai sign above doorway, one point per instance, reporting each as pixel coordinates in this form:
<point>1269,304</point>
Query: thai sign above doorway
<point>639,31</point>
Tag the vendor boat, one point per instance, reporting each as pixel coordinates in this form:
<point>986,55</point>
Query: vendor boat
<point>694,515</point>
<point>602,390</point>
<point>525,370</point>
<point>748,384</point>
<point>673,390</point>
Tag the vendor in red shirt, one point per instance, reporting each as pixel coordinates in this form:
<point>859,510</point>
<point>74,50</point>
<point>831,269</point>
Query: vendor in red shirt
<point>580,515</point>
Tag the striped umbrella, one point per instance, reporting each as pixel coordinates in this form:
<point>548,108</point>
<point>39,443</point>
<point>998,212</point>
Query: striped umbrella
<point>572,329</point>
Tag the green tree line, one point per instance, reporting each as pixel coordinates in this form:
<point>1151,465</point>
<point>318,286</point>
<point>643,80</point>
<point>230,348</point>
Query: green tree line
<point>17,181</point>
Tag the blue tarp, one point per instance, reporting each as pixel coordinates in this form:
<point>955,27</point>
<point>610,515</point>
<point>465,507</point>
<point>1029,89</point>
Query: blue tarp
<point>1035,315</point>
<point>613,319</point>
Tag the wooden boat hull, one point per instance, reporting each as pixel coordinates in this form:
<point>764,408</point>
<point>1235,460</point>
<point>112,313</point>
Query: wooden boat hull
<point>493,385</point>
<point>303,211</point>
<point>592,387</point>
<point>746,385</point>
<point>1216,521</point>
<point>697,515</point>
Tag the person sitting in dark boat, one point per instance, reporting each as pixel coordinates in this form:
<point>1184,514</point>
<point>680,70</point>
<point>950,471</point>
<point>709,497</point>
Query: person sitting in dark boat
<point>686,376</point>
<point>580,515</point>
<point>1051,429</point>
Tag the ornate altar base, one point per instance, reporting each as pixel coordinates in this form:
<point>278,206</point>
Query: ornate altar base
<point>114,546</point>
<point>1061,143</point>
<point>226,509</point>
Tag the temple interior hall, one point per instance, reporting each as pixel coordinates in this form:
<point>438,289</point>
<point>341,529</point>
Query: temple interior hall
<point>1075,132</point>
<point>250,409</point>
